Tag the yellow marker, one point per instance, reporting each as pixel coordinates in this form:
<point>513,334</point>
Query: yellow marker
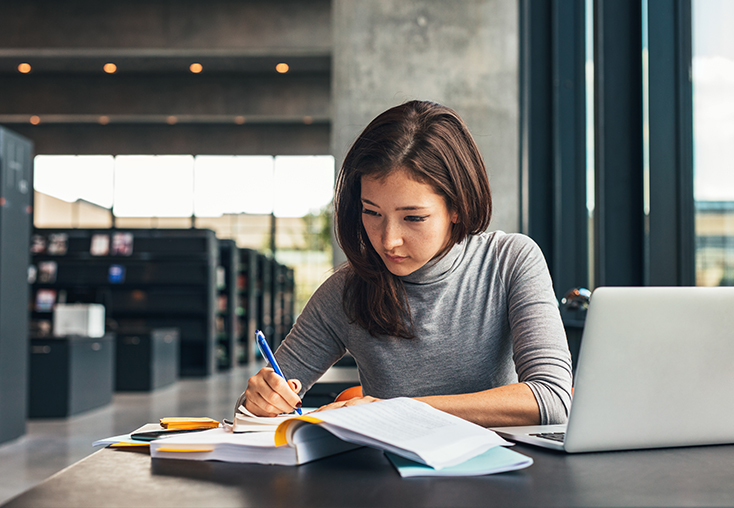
<point>190,422</point>
<point>182,450</point>
<point>128,445</point>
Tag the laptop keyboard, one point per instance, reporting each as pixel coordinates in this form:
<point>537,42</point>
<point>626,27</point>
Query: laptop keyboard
<point>553,436</point>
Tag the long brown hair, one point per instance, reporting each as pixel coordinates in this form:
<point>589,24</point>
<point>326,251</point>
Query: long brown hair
<point>432,143</point>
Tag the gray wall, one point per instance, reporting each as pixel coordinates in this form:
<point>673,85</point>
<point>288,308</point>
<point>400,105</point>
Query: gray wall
<point>463,54</point>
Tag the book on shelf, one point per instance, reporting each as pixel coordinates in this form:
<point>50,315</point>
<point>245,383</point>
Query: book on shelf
<point>403,427</point>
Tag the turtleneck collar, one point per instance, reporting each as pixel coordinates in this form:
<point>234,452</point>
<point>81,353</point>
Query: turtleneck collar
<point>439,268</point>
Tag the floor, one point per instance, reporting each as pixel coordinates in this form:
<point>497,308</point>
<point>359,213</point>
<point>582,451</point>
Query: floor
<point>50,445</point>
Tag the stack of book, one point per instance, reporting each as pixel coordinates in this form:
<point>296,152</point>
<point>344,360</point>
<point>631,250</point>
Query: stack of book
<point>418,439</point>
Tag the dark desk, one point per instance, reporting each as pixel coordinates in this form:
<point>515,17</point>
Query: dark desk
<point>702,476</point>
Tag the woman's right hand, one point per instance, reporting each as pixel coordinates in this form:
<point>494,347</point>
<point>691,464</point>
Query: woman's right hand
<point>268,394</point>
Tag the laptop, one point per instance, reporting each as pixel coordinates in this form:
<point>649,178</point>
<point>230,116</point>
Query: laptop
<point>655,369</point>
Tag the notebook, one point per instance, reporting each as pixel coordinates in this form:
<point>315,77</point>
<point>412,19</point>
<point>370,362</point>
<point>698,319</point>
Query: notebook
<point>655,369</point>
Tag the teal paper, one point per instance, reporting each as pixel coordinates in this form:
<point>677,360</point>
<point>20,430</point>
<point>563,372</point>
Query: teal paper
<point>495,460</point>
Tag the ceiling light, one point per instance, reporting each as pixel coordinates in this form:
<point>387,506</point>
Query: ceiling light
<point>282,68</point>
<point>196,68</point>
<point>35,120</point>
<point>25,68</point>
<point>110,68</point>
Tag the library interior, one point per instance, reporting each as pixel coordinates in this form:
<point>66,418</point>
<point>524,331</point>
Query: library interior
<point>167,176</point>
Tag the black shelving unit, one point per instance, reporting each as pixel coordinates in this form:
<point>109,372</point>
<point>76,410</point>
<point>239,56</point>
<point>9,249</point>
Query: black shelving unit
<point>146,359</point>
<point>264,298</point>
<point>146,279</point>
<point>70,375</point>
<point>226,314</point>
<point>288,301</point>
<point>247,291</point>
<point>16,191</point>
<point>282,301</point>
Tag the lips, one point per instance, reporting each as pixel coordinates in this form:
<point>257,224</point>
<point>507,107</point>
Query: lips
<point>395,259</point>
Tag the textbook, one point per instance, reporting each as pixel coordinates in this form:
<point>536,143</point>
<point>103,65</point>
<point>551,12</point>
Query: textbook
<point>245,421</point>
<point>402,426</point>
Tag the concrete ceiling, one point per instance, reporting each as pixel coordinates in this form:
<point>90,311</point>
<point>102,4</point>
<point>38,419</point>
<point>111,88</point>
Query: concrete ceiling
<point>153,103</point>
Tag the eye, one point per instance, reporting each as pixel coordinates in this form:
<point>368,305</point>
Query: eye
<point>370,212</point>
<point>416,218</point>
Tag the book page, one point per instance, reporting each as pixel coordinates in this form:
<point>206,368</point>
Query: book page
<point>396,422</point>
<point>411,429</point>
<point>245,421</point>
<point>218,437</point>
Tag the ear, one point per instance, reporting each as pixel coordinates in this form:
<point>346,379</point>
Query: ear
<point>455,217</point>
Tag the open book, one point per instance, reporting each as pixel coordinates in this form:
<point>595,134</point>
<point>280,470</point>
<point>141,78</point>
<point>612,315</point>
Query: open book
<point>245,421</point>
<point>402,426</point>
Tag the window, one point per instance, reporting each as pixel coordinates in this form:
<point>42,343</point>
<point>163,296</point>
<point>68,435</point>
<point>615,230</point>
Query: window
<point>713,130</point>
<point>245,198</point>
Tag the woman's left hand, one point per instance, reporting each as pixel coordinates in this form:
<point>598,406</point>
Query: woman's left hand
<point>346,403</point>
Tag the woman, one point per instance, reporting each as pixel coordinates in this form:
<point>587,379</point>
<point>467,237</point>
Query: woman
<point>429,304</point>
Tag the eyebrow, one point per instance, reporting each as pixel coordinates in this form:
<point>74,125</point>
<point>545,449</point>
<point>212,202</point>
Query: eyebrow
<point>412,207</point>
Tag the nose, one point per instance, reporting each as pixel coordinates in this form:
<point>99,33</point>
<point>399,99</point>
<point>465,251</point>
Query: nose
<point>392,236</point>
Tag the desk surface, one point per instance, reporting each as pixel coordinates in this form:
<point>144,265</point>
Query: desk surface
<point>702,476</point>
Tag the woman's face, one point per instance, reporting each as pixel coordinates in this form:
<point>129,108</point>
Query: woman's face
<point>407,222</point>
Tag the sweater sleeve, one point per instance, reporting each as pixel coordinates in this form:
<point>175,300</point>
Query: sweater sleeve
<point>540,347</point>
<point>315,342</point>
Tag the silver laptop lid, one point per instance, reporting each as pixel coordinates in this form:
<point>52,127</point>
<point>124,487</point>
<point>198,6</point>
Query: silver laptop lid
<point>655,369</point>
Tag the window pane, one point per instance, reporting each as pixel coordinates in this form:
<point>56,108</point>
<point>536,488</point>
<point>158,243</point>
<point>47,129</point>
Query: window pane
<point>303,184</point>
<point>713,123</point>
<point>233,184</point>
<point>74,177</point>
<point>154,185</point>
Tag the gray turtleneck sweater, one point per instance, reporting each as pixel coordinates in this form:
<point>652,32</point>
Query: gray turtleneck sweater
<point>485,316</point>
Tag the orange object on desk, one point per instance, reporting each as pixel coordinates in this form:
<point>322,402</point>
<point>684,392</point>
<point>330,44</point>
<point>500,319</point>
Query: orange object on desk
<point>352,392</point>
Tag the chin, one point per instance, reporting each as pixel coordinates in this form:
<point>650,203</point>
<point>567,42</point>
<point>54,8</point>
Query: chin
<point>401,269</point>
<point>401,273</point>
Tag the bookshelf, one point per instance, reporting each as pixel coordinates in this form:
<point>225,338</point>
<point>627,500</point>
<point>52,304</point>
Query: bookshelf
<point>226,313</point>
<point>264,298</point>
<point>70,375</point>
<point>247,297</point>
<point>283,295</point>
<point>146,279</point>
<point>16,190</point>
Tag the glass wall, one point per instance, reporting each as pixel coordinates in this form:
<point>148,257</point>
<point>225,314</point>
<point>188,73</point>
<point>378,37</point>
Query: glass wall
<point>713,131</point>
<point>244,198</point>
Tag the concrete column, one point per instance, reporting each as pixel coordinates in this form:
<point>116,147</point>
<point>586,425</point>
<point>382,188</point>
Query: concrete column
<point>461,53</point>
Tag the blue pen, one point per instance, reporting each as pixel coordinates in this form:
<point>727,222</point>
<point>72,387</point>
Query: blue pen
<point>268,354</point>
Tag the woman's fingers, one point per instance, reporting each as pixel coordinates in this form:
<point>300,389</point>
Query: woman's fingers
<point>268,394</point>
<point>346,403</point>
<point>295,385</point>
<point>286,390</point>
